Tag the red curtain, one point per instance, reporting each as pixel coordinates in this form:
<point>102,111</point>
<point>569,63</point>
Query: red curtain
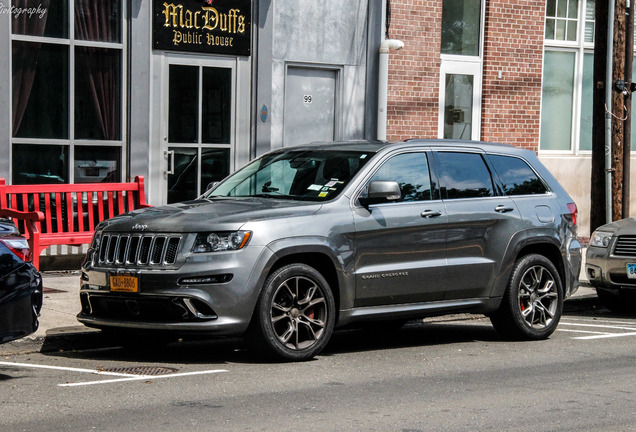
<point>25,56</point>
<point>94,21</point>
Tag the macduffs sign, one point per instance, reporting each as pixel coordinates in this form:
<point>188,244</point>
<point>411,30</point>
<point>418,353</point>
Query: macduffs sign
<point>205,26</point>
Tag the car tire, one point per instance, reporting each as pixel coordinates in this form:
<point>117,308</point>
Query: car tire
<point>295,315</point>
<point>533,302</point>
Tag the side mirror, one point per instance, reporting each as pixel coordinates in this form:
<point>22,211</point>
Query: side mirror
<point>381,191</point>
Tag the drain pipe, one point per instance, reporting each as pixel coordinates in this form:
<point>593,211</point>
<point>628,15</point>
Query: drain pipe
<point>383,83</point>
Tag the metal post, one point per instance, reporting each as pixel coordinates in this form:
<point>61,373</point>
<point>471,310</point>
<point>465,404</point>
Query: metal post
<point>608,117</point>
<point>627,129</point>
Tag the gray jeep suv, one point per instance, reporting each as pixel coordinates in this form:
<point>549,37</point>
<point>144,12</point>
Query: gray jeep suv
<point>307,239</point>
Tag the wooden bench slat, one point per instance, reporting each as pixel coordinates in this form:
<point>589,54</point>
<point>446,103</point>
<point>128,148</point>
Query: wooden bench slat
<point>47,212</point>
<point>91,221</point>
<point>80,211</point>
<point>32,216</point>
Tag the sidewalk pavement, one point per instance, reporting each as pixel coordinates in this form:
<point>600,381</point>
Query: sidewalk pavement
<point>58,324</point>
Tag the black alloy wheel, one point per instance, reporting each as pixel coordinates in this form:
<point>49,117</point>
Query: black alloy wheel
<point>295,314</point>
<point>532,305</point>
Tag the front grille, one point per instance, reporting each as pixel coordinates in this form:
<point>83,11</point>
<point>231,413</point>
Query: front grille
<point>155,309</point>
<point>138,249</point>
<point>625,246</point>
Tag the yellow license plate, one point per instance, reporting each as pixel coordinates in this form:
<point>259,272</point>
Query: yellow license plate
<point>124,283</point>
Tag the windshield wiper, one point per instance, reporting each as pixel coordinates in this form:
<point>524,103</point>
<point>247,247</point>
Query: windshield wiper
<point>273,195</point>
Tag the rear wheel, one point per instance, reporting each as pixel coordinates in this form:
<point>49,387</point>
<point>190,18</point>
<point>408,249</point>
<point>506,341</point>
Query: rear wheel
<point>533,302</point>
<point>294,315</point>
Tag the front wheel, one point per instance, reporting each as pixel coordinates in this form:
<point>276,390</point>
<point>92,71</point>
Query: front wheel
<point>533,302</point>
<point>295,314</point>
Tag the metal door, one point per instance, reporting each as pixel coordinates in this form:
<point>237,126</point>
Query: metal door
<point>310,105</point>
<point>480,223</point>
<point>400,247</point>
<point>460,100</point>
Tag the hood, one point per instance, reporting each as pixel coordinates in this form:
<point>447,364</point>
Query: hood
<point>620,227</point>
<point>209,214</point>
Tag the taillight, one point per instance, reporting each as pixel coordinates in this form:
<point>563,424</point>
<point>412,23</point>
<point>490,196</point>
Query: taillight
<point>573,211</point>
<point>18,246</point>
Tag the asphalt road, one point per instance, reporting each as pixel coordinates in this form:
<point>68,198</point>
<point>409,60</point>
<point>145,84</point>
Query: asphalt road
<point>446,374</point>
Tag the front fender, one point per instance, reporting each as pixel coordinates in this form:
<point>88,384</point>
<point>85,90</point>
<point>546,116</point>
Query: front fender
<point>309,249</point>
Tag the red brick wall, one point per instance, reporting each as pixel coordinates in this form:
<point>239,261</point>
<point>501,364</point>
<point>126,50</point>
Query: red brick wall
<point>413,98</point>
<point>513,44</point>
<point>511,106</point>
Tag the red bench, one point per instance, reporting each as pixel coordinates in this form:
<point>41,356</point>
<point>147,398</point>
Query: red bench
<point>66,214</point>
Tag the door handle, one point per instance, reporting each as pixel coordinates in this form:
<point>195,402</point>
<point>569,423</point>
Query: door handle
<point>503,209</point>
<point>169,156</point>
<point>430,214</point>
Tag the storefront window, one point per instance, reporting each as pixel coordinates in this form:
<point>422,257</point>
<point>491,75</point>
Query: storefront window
<point>97,164</point>
<point>50,165</point>
<point>40,82</point>
<point>97,93</point>
<point>216,105</point>
<point>183,117</point>
<point>182,185</point>
<point>49,19</point>
<point>458,106</point>
<point>556,102</point>
<point>49,64</point>
<point>561,20</point>
<point>590,12</point>
<point>568,77</point>
<point>585,136</point>
<point>461,27</point>
<point>98,20</point>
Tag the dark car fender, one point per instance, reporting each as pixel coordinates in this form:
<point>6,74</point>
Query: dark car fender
<point>324,255</point>
<point>524,242</point>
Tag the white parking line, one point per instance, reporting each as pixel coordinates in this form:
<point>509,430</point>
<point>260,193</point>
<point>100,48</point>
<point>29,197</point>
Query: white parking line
<point>599,324</point>
<point>612,335</point>
<point>68,369</point>
<point>597,320</point>
<point>122,376</point>
<point>583,331</point>
<point>142,378</point>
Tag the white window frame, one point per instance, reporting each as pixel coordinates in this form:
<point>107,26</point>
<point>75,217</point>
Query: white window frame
<point>579,48</point>
<point>71,42</point>
<point>181,59</point>
<point>464,65</point>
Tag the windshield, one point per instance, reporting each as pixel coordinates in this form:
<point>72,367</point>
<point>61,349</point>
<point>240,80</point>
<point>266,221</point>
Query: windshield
<point>312,175</point>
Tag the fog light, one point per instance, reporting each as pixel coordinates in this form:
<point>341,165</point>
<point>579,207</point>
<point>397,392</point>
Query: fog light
<point>200,280</point>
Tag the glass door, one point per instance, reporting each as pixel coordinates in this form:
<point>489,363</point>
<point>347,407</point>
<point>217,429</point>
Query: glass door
<point>460,101</point>
<point>200,124</point>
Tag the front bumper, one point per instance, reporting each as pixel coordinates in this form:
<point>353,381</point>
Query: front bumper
<point>213,293</point>
<point>573,262</point>
<point>604,270</point>
<point>20,303</point>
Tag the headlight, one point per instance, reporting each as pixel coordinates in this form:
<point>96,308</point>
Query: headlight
<point>600,239</point>
<point>221,241</point>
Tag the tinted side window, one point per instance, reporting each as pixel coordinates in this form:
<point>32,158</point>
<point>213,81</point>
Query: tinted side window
<point>517,177</point>
<point>464,175</point>
<point>411,172</point>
